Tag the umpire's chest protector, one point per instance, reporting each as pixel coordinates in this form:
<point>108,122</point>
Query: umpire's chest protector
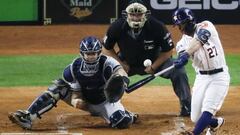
<point>144,46</point>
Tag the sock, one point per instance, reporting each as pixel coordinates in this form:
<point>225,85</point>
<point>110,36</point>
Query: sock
<point>202,123</point>
<point>214,122</point>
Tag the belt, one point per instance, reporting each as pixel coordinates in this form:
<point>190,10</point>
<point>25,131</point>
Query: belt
<point>211,72</point>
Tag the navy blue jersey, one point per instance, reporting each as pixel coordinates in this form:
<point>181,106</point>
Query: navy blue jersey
<point>153,39</point>
<point>91,78</point>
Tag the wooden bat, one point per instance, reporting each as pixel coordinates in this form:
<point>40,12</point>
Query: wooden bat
<point>146,80</point>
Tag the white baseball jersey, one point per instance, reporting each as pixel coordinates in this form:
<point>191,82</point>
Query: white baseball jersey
<point>210,56</point>
<point>209,90</point>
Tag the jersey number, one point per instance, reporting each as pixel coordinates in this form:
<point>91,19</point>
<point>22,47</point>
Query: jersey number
<point>212,52</point>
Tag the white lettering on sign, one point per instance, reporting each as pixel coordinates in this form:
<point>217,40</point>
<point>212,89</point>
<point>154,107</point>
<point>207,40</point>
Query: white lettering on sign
<point>86,3</point>
<point>194,4</point>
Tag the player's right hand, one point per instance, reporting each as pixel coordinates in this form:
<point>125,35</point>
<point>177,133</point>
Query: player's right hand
<point>181,60</point>
<point>79,103</point>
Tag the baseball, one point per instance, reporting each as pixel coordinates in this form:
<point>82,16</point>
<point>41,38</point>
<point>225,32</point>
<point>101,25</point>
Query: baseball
<point>147,62</point>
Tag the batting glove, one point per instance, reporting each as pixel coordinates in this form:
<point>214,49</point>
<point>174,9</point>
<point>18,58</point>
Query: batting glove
<point>181,60</point>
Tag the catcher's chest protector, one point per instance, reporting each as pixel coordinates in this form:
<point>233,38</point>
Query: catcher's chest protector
<point>91,86</point>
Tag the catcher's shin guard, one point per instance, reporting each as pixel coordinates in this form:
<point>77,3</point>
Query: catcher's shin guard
<point>49,98</point>
<point>42,104</point>
<point>21,118</point>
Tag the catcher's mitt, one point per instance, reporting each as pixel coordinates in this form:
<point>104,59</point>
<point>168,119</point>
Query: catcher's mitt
<point>115,87</point>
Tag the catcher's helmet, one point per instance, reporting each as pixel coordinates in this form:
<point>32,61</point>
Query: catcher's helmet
<point>184,16</point>
<point>90,49</point>
<point>136,14</point>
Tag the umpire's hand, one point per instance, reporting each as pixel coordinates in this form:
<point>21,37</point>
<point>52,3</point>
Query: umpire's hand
<point>149,70</point>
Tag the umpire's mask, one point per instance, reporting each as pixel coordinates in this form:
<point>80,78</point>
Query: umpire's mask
<point>136,15</point>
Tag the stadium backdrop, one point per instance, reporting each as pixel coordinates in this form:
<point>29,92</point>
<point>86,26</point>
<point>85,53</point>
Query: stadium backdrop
<point>42,12</point>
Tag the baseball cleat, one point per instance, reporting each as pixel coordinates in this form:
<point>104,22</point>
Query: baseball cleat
<point>135,118</point>
<point>185,109</point>
<point>185,112</point>
<point>213,131</point>
<point>21,118</point>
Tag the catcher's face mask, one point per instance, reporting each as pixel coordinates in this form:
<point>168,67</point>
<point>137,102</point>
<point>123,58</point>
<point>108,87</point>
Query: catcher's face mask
<point>90,49</point>
<point>91,57</point>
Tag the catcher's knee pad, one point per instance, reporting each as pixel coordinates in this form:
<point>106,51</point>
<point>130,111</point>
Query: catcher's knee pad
<point>121,119</point>
<point>59,89</point>
<point>42,104</point>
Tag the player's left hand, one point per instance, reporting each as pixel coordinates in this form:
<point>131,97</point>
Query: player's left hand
<point>115,87</point>
<point>181,60</point>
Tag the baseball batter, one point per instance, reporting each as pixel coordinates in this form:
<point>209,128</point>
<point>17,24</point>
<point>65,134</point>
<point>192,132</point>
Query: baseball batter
<point>87,76</point>
<point>200,41</point>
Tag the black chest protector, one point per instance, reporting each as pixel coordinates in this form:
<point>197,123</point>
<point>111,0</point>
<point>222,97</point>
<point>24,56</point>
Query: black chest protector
<point>91,80</point>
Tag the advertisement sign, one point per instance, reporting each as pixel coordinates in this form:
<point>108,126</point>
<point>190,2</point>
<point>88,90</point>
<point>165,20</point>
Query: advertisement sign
<point>217,11</point>
<point>80,11</point>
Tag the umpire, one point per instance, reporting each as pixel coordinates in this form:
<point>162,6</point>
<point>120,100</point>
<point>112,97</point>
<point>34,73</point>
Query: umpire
<point>139,37</point>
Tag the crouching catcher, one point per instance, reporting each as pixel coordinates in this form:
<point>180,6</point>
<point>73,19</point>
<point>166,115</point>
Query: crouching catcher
<point>88,84</point>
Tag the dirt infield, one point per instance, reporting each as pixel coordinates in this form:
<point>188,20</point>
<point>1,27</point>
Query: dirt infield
<point>158,113</point>
<point>158,106</point>
<point>65,38</point>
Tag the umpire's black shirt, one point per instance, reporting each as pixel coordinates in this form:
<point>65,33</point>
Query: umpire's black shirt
<point>153,39</point>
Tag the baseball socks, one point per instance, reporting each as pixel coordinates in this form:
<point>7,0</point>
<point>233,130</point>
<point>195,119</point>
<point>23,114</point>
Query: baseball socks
<point>204,121</point>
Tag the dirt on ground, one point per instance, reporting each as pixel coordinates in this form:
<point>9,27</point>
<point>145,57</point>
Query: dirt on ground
<point>58,39</point>
<point>157,107</point>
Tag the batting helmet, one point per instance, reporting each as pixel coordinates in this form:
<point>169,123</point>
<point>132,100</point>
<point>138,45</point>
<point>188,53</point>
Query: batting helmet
<point>184,16</point>
<point>90,49</point>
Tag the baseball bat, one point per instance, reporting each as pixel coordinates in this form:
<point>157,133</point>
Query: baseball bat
<point>146,80</point>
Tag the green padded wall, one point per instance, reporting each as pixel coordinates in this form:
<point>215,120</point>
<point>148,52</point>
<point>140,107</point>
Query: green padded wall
<point>18,10</point>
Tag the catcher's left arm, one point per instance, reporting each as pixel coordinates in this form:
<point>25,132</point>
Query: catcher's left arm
<point>116,85</point>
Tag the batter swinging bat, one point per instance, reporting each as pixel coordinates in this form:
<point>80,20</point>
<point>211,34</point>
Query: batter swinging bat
<point>144,81</point>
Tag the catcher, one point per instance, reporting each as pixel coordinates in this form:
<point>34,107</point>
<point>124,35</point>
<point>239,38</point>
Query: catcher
<point>93,82</point>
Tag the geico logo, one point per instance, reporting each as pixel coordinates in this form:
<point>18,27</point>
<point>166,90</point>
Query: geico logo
<point>194,4</point>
